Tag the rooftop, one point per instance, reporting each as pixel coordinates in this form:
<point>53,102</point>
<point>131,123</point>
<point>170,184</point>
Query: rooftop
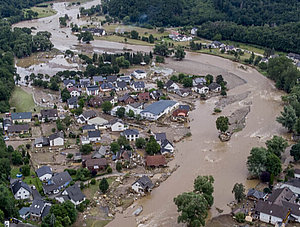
<point>157,108</point>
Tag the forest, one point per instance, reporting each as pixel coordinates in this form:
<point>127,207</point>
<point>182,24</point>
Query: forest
<point>271,23</point>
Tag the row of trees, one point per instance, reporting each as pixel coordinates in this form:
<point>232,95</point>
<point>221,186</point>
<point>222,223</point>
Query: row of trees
<point>163,50</point>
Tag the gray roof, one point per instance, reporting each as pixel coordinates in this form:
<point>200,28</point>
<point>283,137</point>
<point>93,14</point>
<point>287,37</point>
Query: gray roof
<point>106,86</point>
<point>121,84</point>
<point>43,170</point>
<point>17,184</point>
<point>75,193</point>
<point>169,83</point>
<point>297,171</point>
<point>24,211</point>
<point>37,207</point>
<point>139,71</point>
<point>94,134</point>
<point>18,128</point>
<point>100,152</point>
<point>184,107</point>
<point>56,135</point>
<point>294,208</point>
<point>157,108</point>
<point>73,100</point>
<point>213,86</point>
<point>256,194</point>
<point>66,82</point>
<point>49,113</point>
<point>46,210</point>
<point>57,181</point>
<point>280,194</point>
<point>165,142</point>
<point>271,209</point>
<point>160,136</point>
<point>92,88</point>
<point>200,80</point>
<point>145,183</point>
<point>42,140</point>
<point>21,116</point>
<point>89,114</point>
<point>97,78</point>
<point>139,84</point>
<point>136,104</point>
<point>131,132</point>
<point>84,81</point>
<point>111,78</point>
<point>88,127</point>
<point>294,182</point>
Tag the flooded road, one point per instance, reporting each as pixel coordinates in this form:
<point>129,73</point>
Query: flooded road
<point>203,153</point>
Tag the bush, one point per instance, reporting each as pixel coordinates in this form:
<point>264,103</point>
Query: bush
<point>217,110</point>
<point>160,59</point>
<point>119,166</point>
<point>267,190</point>
<point>109,169</point>
<point>72,172</point>
<point>69,156</point>
<point>93,181</point>
<point>240,217</point>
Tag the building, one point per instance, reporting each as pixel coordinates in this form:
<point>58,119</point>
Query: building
<point>166,147</point>
<point>201,89</point>
<point>142,185</point>
<point>73,102</point>
<point>121,86</point>
<point>156,94</point>
<point>117,125</point>
<point>18,129</point>
<point>56,139</point>
<point>39,209</point>
<point>131,134</point>
<point>44,173</point>
<point>20,189</point>
<point>171,86</point>
<point>155,161</point>
<point>143,97</point>
<point>183,92</point>
<point>24,117</point>
<point>127,99</point>
<point>256,195</point>
<point>106,87</point>
<point>69,83</point>
<point>101,152</point>
<point>297,173</point>
<point>98,80</point>
<point>194,31</point>
<point>127,79</point>
<point>139,74</point>
<point>92,90</point>
<point>95,164</point>
<point>136,107</point>
<point>214,87</point>
<point>94,136</point>
<point>83,83</point>
<point>6,123</point>
<point>95,102</point>
<point>293,185</point>
<point>138,85</point>
<point>199,80</point>
<point>73,194</point>
<point>57,183</point>
<point>24,212</point>
<point>95,31</point>
<point>158,109</point>
<point>49,115</point>
<point>180,113</point>
<point>41,142</point>
<point>85,116</point>
<point>87,128</point>
<point>99,122</point>
<point>74,91</point>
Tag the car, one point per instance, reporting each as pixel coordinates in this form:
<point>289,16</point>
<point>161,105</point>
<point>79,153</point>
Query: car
<point>6,138</point>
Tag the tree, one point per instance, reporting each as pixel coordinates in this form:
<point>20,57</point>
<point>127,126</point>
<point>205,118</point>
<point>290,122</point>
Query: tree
<point>103,185</point>
<point>193,208</point>
<point>120,112</point>
<point>86,149</point>
<point>160,84</point>
<point>277,145</point>
<point>209,79</point>
<point>273,164</point>
<point>222,123</point>
<point>106,106</point>
<point>134,34</point>
<point>239,192</point>
<point>257,160</point>
<point>151,38</point>
<point>65,95</point>
<point>288,118</point>
<point>16,158</point>
<point>25,170</point>
<point>179,53</point>
<point>130,114</point>
<point>114,147</point>
<point>219,79</point>
<point>140,143</point>
<point>240,217</point>
<point>122,141</point>
<point>119,166</point>
<point>152,147</point>
<point>160,59</point>
<point>295,151</point>
<point>204,185</point>
<point>187,82</point>
<point>7,202</point>
<point>85,37</point>
<point>162,49</point>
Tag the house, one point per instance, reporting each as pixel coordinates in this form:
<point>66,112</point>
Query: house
<point>136,107</point>
<point>73,102</point>
<point>199,80</point>
<point>87,128</point>
<point>98,80</point>
<point>214,87</point>
<point>183,92</point>
<point>69,83</point>
<point>158,109</point>
<point>73,194</point>
<point>92,90</point>
<point>94,136</point>
<point>170,86</point>
<point>138,85</point>
<point>18,129</point>
<point>20,189</point>
<point>131,134</point>
<point>24,117</point>
<point>56,139</point>
<point>156,94</point>
<point>95,102</point>
<point>106,87</point>
<point>143,97</point>
<point>215,44</point>
<point>159,137</point>
<point>96,164</point>
<point>101,152</point>
<point>127,99</point>
<point>293,185</point>
<point>24,212</point>
<point>112,79</point>
<point>85,116</point>
<point>83,83</point>
<point>39,209</point>
<point>121,86</point>
<point>6,123</point>
<point>112,100</point>
<point>74,91</point>
<point>49,115</point>
<point>44,173</point>
<point>201,89</point>
<point>297,173</point>
<point>180,113</point>
<point>127,79</point>
<point>142,185</point>
<point>184,107</point>
<point>166,147</point>
<point>194,31</point>
<point>95,31</point>
<point>139,74</point>
<point>41,142</point>
<point>117,125</point>
<point>57,183</point>
<point>155,161</point>
<point>99,122</point>
<point>255,195</point>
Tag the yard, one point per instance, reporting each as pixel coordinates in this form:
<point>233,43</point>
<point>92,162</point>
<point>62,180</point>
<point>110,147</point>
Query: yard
<point>43,11</point>
<point>22,101</point>
<point>32,179</point>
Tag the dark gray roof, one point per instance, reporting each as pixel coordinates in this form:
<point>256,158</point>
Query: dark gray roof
<point>160,136</point>
<point>139,84</point>
<point>213,86</point>
<point>56,135</point>
<point>57,181</point>
<point>106,86</point>
<point>92,88</point>
<point>165,143</point>
<point>131,132</point>
<point>43,170</point>
<point>184,107</point>
<point>145,182</point>
<point>294,208</point>
<point>73,100</point>
<point>297,171</point>
<point>136,104</point>
<point>124,97</point>
<point>21,116</point>
<point>88,127</point>
<point>294,182</point>
<point>279,195</point>
<point>89,114</point>
<point>18,128</point>
<point>49,113</point>
<point>111,78</point>
<point>139,71</point>
<point>75,193</point>
<point>94,134</point>
<point>169,83</point>
<point>256,194</point>
<point>121,84</point>
<point>24,211</point>
<point>46,210</point>
<point>42,140</point>
<point>85,82</point>
<point>37,207</point>
<point>66,82</point>
<point>17,184</point>
<point>97,78</point>
<point>158,107</point>
<point>100,152</point>
<point>271,209</point>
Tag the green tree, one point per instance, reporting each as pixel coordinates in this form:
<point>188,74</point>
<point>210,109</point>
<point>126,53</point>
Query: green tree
<point>16,158</point>
<point>160,84</point>
<point>25,170</point>
<point>122,141</point>
<point>119,166</point>
<point>204,185</point>
<point>1,216</point>
<point>130,114</point>
<point>7,202</point>
<point>239,192</point>
<point>187,82</point>
<point>120,112</point>
<point>240,217</point>
<point>209,79</point>
<point>134,34</point>
<point>103,185</point>
<point>151,38</point>
<point>179,53</point>
<point>114,147</point>
<point>288,118</point>
<point>273,164</point>
<point>106,106</point>
<point>222,123</point>
<point>257,160</point>
<point>160,59</point>
<point>295,151</point>
<point>162,49</point>
<point>86,149</point>
<point>152,147</point>
<point>277,145</point>
<point>65,95</point>
<point>140,142</point>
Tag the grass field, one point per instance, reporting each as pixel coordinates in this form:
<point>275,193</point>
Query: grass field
<point>97,223</point>
<point>22,101</point>
<point>29,179</point>
<point>43,11</point>
<point>119,39</point>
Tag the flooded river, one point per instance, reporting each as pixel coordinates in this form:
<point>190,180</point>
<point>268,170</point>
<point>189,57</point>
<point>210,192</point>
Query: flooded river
<point>203,153</point>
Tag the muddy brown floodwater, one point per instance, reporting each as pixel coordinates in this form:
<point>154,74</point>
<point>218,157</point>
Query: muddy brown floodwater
<point>202,153</point>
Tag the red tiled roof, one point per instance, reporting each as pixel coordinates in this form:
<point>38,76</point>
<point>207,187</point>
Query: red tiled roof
<point>180,112</point>
<point>156,160</point>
